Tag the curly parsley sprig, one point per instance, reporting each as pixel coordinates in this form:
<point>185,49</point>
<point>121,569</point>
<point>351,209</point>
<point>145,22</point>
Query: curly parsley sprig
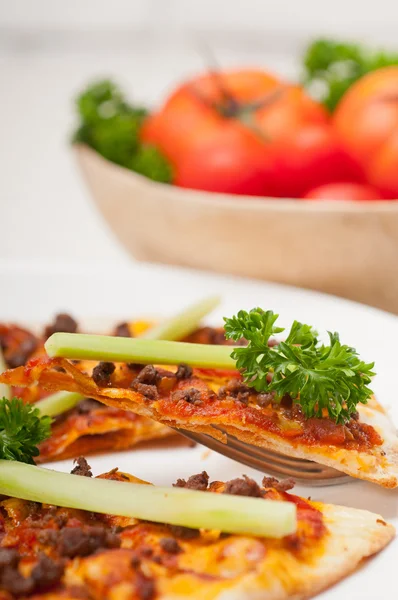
<point>22,428</point>
<point>332,66</point>
<point>109,124</point>
<point>316,376</point>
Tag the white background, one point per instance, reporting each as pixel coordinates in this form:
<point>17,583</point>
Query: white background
<point>50,48</point>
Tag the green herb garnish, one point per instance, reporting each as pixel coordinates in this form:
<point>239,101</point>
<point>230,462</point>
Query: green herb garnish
<point>111,125</point>
<point>316,376</point>
<point>22,428</point>
<point>151,163</point>
<point>331,67</point>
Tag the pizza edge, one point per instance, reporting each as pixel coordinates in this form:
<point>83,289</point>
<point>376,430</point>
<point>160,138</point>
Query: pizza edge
<point>88,444</point>
<point>351,462</point>
<point>342,554</point>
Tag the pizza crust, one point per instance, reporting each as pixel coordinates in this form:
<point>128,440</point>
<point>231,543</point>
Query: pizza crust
<point>272,573</point>
<point>378,466</point>
<point>77,443</point>
<point>353,536</point>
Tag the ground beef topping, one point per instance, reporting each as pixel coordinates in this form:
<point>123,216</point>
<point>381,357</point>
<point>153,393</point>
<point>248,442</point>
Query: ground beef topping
<point>244,486</point>
<point>149,391</point>
<point>264,400</point>
<point>286,401</point>
<point>20,355</point>
<point>170,545</point>
<point>62,323</point>
<point>146,552</point>
<point>45,574</point>
<point>82,467</point>
<point>135,562</point>
<point>134,366</point>
<point>217,336</point>
<point>214,336</point>
<point>102,373</point>
<point>9,557</point>
<point>16,584</point>
<point>191,395</point>
<point>123,330</point>
<point>75,541</point>
<point>236,389</point>
<point>48,536</point>
<point>281,486</point>
<point>149,376</point>
<point>184,533</point>
<point>184,371</point>
<point>146,588</point>
<point>88,405</point>
<point>195,482</point>
<point>146,381</point>
<point>52,516</point>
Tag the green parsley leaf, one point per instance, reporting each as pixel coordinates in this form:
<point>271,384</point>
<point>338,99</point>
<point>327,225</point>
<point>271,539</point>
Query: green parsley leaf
<point>151,163</point>
<point>316,376</point>
<point>22,428</point>
<point>331,67</point>
<point>110,125</point>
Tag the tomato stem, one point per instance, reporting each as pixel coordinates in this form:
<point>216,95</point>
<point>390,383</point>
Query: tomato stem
<point>230,108</point>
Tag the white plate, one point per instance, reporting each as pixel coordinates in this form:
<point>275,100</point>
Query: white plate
<point>33,293</point>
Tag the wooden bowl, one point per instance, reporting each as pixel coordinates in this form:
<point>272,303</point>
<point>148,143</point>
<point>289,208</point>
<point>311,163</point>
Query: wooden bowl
<point>345,248</point>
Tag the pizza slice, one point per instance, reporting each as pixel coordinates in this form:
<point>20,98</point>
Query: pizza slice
<point>48,552</point>
<point>89,427</point>
<point>214,402</point>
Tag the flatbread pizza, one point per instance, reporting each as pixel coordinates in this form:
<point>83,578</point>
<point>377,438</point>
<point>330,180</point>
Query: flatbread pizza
<point>89,427</point>
<point>365,447</point>
<point>52,553</point>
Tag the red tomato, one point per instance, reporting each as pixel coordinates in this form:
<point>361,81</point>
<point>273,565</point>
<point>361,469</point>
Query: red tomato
<point>343,191</point>
<point>366,121</point>
<point>229,162</point>
<point>229,132</point>
<point>311,156</point>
